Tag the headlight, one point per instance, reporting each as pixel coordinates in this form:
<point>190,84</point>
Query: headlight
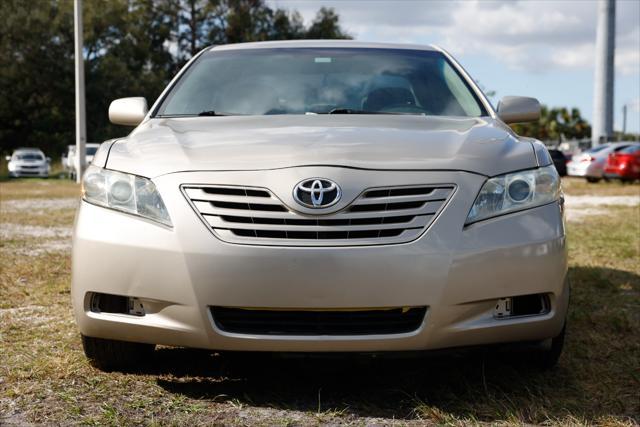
<point>514,192</point>
<point>127,193</point>
<point>11,166</point>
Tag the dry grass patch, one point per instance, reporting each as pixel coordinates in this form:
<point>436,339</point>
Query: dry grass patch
<point>38,189</point>
<point>580,187</point>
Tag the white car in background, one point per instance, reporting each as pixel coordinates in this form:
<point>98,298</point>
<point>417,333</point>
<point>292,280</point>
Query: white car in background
<point>590,163</point>
<point>69,158</point>
<point>28,162</point>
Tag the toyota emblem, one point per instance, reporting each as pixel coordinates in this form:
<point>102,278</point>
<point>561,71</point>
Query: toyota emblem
<point>317,193</point>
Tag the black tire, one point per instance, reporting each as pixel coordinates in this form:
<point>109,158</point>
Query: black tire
<point>108,355</point>
<point>592,179</point>
<point>547,356</point>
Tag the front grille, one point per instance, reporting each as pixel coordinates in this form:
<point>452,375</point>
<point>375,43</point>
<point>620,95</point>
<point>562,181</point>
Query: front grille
<point>301,322</point>
<point>378,216</point>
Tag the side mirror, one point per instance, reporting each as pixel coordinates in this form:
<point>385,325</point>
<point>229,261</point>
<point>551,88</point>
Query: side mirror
<point>48,159</point>
<point>128,111</point>
<point>518,109</point>
<point>7,158</point>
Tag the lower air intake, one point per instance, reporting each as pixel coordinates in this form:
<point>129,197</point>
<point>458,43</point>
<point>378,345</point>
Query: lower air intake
<point>299,322</point>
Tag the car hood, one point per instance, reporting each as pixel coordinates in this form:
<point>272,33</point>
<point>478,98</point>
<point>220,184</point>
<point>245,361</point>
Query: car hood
<point>385,142</point>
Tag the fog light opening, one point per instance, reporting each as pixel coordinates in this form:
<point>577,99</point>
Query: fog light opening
<point>118,304</point>
<point>524,305</point>
<point>503,308</point>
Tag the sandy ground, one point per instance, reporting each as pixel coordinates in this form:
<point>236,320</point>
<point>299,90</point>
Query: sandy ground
<point>41,239</point>
<point>37,206</point>
<point>580,207</point>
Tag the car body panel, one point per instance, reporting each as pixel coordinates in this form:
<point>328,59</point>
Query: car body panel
<point>623,165</point>
<point>165,146</point>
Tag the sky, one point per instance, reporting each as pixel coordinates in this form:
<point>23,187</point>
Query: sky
<point>539,48</point>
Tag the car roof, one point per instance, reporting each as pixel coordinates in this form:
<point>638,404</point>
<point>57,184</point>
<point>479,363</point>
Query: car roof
<point>322,44</point>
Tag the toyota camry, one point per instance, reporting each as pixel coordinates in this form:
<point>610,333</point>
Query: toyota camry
<point>320,196</point>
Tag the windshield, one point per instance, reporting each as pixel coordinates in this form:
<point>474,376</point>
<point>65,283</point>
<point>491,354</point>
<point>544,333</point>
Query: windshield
<point>28,156</point>
<point>321,81</point>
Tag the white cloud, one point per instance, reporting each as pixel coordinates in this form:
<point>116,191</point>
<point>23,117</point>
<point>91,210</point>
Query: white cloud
<point>532,35</point>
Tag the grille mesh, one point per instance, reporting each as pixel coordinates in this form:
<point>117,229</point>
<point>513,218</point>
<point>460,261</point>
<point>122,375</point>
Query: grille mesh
<point>378,216</point>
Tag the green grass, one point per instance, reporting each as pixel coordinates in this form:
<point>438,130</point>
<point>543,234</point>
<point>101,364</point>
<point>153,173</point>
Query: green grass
<point>44,377</point>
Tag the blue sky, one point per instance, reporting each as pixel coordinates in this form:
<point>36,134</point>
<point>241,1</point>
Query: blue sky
<point>540,48</point>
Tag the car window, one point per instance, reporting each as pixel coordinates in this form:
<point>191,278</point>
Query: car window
<point>29,156</point>
<point>620,148</point>
<point>633,149</point>
<point>319,80</point>
<point>91,151</point>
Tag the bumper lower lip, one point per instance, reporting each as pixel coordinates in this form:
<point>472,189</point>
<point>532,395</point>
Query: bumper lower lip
<point>457,273</point>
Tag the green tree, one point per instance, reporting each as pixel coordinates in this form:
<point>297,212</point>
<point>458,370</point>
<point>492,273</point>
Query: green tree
<point>326,25</point>
<point>556,124</point>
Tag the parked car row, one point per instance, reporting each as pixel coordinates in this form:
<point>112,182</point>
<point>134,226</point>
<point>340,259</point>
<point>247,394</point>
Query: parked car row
<point>592,164</point>
<point>28,162</point>
<point>32,162</point>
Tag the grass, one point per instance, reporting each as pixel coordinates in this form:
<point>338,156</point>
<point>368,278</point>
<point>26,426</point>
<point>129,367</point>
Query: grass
<point>44,377</point>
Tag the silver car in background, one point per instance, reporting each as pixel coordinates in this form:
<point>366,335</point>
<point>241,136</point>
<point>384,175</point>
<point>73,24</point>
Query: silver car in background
<point>320,196</point>
<point>590,163</point>
<point>28,162</point>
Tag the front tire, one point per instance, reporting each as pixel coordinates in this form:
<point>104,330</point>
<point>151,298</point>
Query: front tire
<point>548,355</point>
<point>593,179</point>
<point>108,355</point>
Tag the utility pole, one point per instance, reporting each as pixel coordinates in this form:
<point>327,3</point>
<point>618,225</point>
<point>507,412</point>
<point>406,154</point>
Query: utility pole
<point>602,128</point>
<point>81,127</point>
<point>624,119</point>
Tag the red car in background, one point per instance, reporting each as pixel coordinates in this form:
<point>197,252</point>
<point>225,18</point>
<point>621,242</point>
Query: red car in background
<point>624,165</point>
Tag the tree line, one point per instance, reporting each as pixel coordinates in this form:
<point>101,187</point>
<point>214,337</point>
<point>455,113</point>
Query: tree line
<point>131,48</point>
<point>556,125</point>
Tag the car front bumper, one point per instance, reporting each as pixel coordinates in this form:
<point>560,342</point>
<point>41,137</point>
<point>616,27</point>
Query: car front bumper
<point>457,272</point>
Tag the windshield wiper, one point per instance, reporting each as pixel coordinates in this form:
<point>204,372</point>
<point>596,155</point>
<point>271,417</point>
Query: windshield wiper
<point>354,111</point>
<point>351,111</point>
<point>211,113</point>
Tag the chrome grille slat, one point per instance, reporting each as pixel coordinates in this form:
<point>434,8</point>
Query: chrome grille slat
<point>205,208</point>
<point>437,195</point>
<point>405,236</point>
<point>254,215</point>
<point>217,222</point>
<point>200,195</point>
